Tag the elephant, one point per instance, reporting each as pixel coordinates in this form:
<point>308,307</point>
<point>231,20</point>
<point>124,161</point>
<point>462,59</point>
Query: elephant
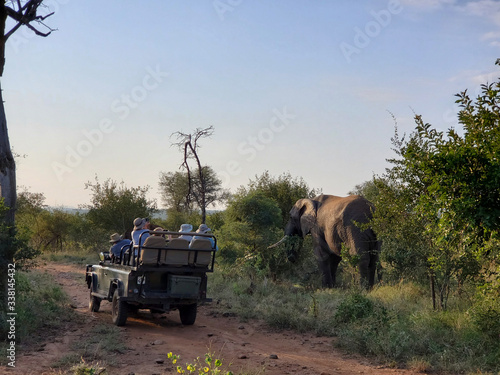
<point>333,221</point>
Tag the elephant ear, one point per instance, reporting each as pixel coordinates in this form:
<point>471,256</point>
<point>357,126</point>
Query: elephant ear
<point>307,215</point>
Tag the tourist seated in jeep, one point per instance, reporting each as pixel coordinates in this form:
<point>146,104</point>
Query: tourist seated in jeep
<point>140,226</point>
<point>186,228</point>
<point>203,229</point>
<point>116,248</point>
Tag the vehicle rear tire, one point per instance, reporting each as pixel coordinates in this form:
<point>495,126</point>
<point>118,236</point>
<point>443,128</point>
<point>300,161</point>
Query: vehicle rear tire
<point>94,302</point>
<point>119,310</point>
<point>187,314</point>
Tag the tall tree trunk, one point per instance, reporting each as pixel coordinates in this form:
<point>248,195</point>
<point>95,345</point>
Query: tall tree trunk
<point>7,168</point>
<point>433,291</point>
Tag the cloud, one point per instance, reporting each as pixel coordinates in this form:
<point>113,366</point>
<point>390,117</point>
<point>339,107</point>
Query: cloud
<point>489,10</point>
<point>474,79</point>
<point>426,5</point>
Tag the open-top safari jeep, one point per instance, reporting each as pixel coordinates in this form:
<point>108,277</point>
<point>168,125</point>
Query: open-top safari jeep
<point>160,275</point>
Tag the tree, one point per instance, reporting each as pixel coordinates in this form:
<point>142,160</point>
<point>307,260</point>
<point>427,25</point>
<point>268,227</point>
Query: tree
<point>284,190</point>
<point>209,191</point>
<point>252,221</point>
<point>200,188</point>
<point>114,206</point>
<point>447,186</point>
<point>174,187</point>
<point>367,189</point>
<point>22,13</point>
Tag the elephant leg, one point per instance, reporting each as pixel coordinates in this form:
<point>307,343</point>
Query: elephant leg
<point>367,268</point>
<point>324,267</point>
<point>371,272</point>
<point>328,269</point>
<point>372,269</point>
<point>334,264</point>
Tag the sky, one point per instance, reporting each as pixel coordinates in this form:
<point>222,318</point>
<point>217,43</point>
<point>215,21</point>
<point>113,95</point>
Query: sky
<point>312,88</point>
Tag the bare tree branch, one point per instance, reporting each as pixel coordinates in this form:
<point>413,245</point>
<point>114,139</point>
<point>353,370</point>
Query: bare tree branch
<point>26,14</point>
<point>189,144</point>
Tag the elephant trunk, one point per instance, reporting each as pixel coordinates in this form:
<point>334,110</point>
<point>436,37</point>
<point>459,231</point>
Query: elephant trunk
<point>278,243</point>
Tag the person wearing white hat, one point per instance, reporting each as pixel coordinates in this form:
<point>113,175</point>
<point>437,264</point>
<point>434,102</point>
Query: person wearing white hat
<point>186,228</point>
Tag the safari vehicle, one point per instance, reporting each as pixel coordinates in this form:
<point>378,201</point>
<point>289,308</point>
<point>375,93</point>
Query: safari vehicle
<point>160,275</point>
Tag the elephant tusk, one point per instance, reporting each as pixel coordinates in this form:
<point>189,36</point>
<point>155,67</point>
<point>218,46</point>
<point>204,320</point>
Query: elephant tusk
<point>279,242</point>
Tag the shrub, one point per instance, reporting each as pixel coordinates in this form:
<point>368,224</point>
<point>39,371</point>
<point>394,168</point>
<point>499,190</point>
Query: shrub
<point>355,306</point>
<point>485,315</point>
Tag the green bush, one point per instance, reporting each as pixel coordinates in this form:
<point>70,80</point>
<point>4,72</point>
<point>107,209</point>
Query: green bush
<point>39,304</point>
<point>485,315</point>
<point>354,307</point>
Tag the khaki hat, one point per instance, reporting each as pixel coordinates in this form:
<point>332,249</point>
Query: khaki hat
<point>139,223</point>
<point>115,237</point>
<point>203,228</point>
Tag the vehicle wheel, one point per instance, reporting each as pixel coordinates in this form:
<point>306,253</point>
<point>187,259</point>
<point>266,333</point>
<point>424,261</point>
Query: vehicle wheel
<point>94,302</point>
<point>119,310</point>
<point>187,314</point>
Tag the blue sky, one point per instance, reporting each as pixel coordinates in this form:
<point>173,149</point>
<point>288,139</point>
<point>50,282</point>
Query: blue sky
<point>305,87</point>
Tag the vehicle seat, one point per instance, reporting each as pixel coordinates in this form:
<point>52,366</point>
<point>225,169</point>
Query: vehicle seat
<point>204,257</point>
<point>150,249</point>
<point>176,257</point>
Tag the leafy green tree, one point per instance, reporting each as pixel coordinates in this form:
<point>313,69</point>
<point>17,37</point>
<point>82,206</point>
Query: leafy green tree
<point>213,192</point>
<point>284,190</point>
<point>174,188</point>
<point>57,229</point>
<point>367,189</point>
<point>445,186</point>
<point>252,221</point>
<point>15,242</point>
<point>30,207</point>
<point>114,206</point>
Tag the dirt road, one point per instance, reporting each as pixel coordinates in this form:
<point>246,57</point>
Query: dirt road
<point>148,338</point>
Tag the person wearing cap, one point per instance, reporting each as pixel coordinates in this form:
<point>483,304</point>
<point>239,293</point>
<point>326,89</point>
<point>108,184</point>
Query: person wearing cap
<point>140,226</point>
<point>204,229</point>
<point>117,243</point>
<point>184,229</point>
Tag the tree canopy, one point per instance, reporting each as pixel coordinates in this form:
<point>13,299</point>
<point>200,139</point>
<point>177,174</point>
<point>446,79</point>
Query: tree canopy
<point>174,187</point>
<point>439,204</point>
<point>114,206</point>
<point>285,190</point>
